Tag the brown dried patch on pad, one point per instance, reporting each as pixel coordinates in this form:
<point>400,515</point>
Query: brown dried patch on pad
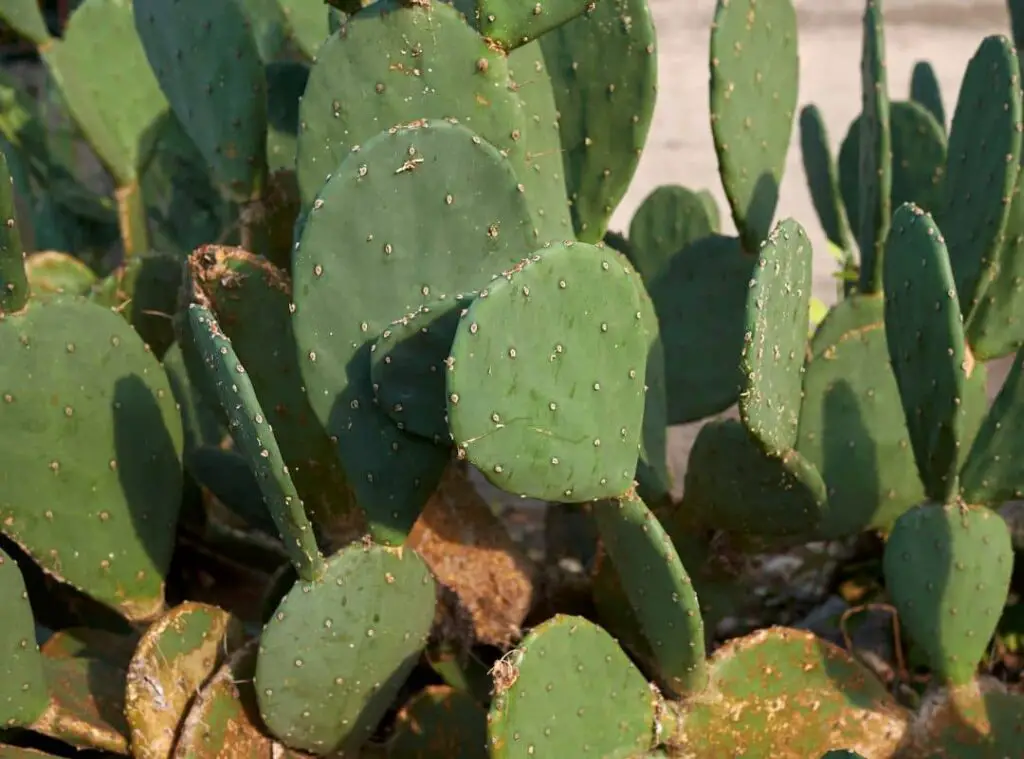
<point>783,692</point>
<point>175,657</point>
<point>223,722</point>
<point>470,551</point>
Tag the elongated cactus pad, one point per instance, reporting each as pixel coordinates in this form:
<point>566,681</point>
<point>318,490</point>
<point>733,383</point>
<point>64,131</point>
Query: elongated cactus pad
<point>659,591</point>
<point>336,651</point>
<point>13,279</point>
<point>775,338</point>
<point>464,220</point>
<point>982,168</point>
<point>926,91</point>
<point>604,71</point>
<point>23,696</point>
<point>26,18</point>
<point>947,569</point>
<point>930,360</point>
<point>207,62</point>
<point>255,439</point>
<point>754,81</point>
<point>823,177</point>
<point>545,403</point>
<point>874,175</point>
<point>545,703</point>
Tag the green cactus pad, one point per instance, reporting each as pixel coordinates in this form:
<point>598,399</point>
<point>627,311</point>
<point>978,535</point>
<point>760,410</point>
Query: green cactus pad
<point>336,651</point>
<point>101,459</point>
<point>252,302</point>
<point>306,24</point>
<point>604,71</point>
<point>54,273</point>
<point>268,27</point>
<point>464,220</point>
<point>205,57</point>
<point>926,91</point>
<point>993,472</point>
<point>255,439</point>
<point>976,720</point>
<point>175,657</point>
<point>108,85</point>
<point>659,591</point>
<point>144,290</point>
<point>823,177</point>
<point>668,220</point>
<point>783,692</point>
<point>947,570</point>
<point>286,81</point>
<point>545,702</point>
<point>700,299</point>
<point>223,719</point>
<point>230,479</point>
<point>996,330</point>
<point>918,146</point>
<point>26,18</point>
<point>654,481</point>
<point>930,360</point>
<point>23,696</point>
<point>754,80</point>
<point>545,403</point>
<point>438,68</point>
<point>874,175</point>
<point>733,484</point>
<point>440,721</point>
<point>200,422</point>
<point>512,23</point>
<point>778,302</point>
<point>408,367</point>
<point>984,157</point>
<point>13,280</point>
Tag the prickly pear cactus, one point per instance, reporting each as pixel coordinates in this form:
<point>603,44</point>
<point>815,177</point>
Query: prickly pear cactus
<point>668,219</point>
<point>440,721</point>
<point>523,361</point>
<point>13,277</point>
<point>336,651</point>
<point>823,177</point>
<point>510,24</point>
<point>754,81</point>
<point>25,17</point>
<point>926,91</point>
<point>947,569</point>
<point>23,696</point>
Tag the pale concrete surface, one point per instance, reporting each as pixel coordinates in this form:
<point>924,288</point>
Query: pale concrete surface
<point>679,149</point>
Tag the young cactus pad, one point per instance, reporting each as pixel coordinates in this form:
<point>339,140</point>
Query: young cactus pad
<point>337,650</point>
<point>669,219</point>
<point>463,218</point>
<point>604,73</point>
<point>926,91</point>
<point>754,80</point>
<point>947,569</point>
<point>823,177</point>
<point>546,703</point>
<point>930,360</point>
<point>776,337</point>
<point>205,57</point>
<point>659,590</point>
<point>23,696</point>
<point>546,376</point>
<point>255,440</point>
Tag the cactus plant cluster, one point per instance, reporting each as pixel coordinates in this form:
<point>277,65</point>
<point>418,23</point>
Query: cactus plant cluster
<point>364,256</point>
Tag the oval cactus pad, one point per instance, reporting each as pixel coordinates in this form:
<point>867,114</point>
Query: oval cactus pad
<point>546,377</point>
<point>23,696</point>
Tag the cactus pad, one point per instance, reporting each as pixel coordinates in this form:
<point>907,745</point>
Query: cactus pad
<point>874,175</point>
<point>783,692</point>
<point>13,279</point>
<point>604,71</point>
<point>775,338</point>
<point>984,157</point>
<point>512,23</point>
<point>440,721</point>
<point>207,62</point>
<point>306,24</point>
<point>175,657</point>
<point>754,80</point>
<point>408,367</point>
<point>545,403</point>
<point>659,591</point>
<point>545,703</point>
<point>336,651</point>
<point>463,220</point>
<point>823,177</point>
<point>947,570</point>
<point>51,272</point>
<point>926,91</point>
<point>23,697</point>
<point>669,219</point>
<point>733,484</point>
<point>930,360</point>
<point>26,18</point>
<point>101,460</point>
<point>436,67</point>
<point>255,439</point>
<point>286,81</point>
<point>979,719</point>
